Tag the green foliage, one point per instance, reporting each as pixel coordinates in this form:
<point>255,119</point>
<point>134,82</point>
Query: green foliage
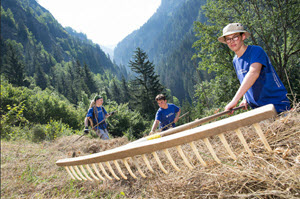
<point>74,81</point>
<point>41,106</point>
<point>42,44</point>
<point>13,64</point>
<point>56,129</point>
<point>12,118</point>
<point>38,133</point>
<point>272,25</point>
<point>125,122</point>
<point>50,131</point>
<point>145,85</point>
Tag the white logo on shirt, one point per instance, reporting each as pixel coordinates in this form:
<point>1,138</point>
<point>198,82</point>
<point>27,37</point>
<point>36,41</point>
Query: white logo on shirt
<point>169,115</point>
<point>242,71</point>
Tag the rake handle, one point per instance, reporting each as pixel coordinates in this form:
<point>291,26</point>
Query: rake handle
<point>167,126</point>
<point>200,121</point>
<point>184,127</point>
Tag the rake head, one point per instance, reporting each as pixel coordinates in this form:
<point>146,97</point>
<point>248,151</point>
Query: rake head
<point>87,167</point>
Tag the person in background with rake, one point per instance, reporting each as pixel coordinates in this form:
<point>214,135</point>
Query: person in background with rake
<point>260,84</point>
<point>97,115</point>
<point>166,116</point>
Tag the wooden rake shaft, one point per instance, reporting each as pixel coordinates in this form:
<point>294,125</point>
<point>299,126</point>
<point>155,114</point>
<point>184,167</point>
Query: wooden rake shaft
<point>131,152</point>
<point>181,128</point>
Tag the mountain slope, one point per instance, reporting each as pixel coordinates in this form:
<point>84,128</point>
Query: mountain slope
<point>28,23</point>
<point>166,36</point>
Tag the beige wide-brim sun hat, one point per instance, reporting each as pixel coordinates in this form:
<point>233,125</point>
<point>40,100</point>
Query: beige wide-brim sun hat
<point>231,29</point>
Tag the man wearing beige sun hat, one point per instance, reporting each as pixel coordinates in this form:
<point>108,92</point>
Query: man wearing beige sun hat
<point>260,84</point>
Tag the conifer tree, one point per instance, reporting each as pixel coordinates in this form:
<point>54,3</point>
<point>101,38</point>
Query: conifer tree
<point>125,91</point>
<point>116,93</point>
<point>13,65</point>
<point>40,77</point>
<point>89,79</point>
<point>146,84</point>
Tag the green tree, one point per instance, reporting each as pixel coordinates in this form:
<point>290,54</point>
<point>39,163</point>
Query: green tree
<point>116,92</point>
<point>13,65</point>
<point>146,83</point>
<point>126,96</point>
<point>272,24</point>
<point>41,77</point>
<point>89,79</point>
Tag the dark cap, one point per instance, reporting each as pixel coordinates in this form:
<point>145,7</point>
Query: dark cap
<point>97,97</point>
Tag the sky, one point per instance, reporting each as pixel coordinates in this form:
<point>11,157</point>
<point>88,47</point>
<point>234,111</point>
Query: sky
<point>105,22</point>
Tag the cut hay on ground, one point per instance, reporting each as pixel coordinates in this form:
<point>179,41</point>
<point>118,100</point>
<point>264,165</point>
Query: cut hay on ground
<point>28,170</point>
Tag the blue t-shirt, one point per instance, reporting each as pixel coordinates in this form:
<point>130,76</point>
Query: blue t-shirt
<point>166,116</point>
<point>268,88</point>
<point>101,116</point>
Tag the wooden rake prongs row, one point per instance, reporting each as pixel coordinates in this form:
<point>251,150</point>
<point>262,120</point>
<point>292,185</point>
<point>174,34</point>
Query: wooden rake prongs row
<point>93,163</point>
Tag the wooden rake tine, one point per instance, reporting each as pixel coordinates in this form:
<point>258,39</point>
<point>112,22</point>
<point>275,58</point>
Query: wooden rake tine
<point>111,170</point>
<point>185,160</point>
<point>79,173</point>
<point>97,172</point>
<point>227,147</point>
<point>74,173</point>
<point>171,159</point>
<point>197,154</point>
<point>243,141</point>
<point>119,169</point>
<point>128,168</point>
<point>138,167</point>
<point>159,162</point>
<point>147,163</point>
<point>91,172</point>
<point>211,150</point>
<point>104,171</point>
<point>262,136</point>
<point>69,172</point>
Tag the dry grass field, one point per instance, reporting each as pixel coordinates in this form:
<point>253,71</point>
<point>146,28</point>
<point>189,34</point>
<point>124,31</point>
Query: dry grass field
<point>28,170</point>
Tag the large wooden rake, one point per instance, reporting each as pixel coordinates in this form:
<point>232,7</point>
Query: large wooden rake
<point>87,167</point>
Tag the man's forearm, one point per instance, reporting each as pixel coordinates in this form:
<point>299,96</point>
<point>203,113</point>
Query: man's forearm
<point>249,80</point>
<point>154,126</point>
<point>177,116</point>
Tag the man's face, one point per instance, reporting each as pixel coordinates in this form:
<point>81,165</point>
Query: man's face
<point>99,102</point>
<point>235,41</point>
<point>162,103</point>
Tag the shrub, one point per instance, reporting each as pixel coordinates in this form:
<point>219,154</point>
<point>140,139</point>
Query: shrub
<point>12,118</point>
<point>38,133</point>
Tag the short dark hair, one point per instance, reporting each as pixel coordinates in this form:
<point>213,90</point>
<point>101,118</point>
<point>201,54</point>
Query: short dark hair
<point>160,97</point>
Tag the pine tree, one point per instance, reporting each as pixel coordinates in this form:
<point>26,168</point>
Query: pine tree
<point>89,79</point>
<point>125,91</point>
<point>13,65</point>
<point>40,77</point>
<point>146,84</point>
<point>116,93</point>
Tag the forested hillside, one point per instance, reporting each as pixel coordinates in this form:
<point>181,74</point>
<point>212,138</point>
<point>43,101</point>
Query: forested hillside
<point>50,74</point>
<point>167,38</point>
<point>36,50</point>
<point>26,22</point>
